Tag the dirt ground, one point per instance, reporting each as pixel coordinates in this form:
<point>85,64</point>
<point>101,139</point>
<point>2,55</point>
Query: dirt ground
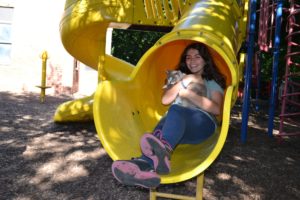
<point>43,160</point>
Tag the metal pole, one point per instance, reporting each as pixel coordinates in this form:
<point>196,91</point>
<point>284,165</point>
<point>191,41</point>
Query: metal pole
<point>275,67</point>
<point>43,86</point>
<point>257,75</point>
<point>248,72</point>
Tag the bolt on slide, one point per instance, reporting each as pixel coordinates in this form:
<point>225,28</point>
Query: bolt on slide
<point>127,101</point>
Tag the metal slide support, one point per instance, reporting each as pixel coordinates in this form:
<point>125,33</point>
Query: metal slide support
<point>199,192</point>
<point>275,67</point>
<point>248,72</point>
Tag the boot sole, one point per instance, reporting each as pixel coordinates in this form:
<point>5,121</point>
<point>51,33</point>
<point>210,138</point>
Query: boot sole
<point>130,174</point>
<point>156,151</point>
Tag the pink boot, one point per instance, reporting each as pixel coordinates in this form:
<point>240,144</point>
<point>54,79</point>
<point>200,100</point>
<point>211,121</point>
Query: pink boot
<point>135,172</point>
<point>158,151</point>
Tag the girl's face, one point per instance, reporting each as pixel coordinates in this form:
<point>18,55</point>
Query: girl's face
<point>194,61</point>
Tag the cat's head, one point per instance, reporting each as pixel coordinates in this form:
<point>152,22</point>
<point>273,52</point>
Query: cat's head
<point>173,76</point>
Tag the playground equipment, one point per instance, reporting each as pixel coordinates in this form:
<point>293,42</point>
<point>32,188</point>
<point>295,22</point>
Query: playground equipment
<point>43,86</point>
<point>270,20</point>
<point>127,102</point>
<point>291,95</point>
<point>248,72</point>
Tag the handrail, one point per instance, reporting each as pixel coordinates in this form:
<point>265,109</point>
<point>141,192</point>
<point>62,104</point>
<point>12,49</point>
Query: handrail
<point>159,13</point>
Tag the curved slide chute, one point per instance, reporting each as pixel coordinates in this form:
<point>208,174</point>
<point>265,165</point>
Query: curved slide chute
<point>127,102</point>
<point>82,109</point>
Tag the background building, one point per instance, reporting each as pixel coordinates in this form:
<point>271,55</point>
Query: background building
<point>27,29</point>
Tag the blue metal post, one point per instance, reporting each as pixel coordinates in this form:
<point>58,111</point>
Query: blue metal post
<point>275,66</point>
<point>248,72</point>
<point>258,80</point>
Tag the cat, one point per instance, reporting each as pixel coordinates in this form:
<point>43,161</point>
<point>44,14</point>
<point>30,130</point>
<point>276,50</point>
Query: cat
<point>173,76</point>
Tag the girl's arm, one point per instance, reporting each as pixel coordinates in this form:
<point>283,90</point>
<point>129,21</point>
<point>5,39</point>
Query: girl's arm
<point>170,94</point>
<point>212,105</point>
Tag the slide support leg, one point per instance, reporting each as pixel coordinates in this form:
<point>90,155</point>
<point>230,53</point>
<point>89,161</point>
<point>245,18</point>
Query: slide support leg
<point>199,192</point>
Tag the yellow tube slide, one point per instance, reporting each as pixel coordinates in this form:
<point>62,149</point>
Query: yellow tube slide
<point>127,102</point>
<point>82,109</point>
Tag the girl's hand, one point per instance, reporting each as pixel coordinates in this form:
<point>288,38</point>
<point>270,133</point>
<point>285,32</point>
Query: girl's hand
<point>171,93</point>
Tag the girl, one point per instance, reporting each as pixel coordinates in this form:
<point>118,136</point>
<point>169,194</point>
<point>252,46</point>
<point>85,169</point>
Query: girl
<point>182,124</point>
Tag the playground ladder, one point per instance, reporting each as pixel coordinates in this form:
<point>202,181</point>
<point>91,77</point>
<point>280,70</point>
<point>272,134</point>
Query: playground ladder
<point>266,24</point>
<point>290,98</point>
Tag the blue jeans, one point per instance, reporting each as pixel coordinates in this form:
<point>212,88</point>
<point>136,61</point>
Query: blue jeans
<point>183,125</point>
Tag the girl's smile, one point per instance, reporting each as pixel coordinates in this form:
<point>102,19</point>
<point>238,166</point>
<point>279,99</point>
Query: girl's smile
<point>194,61</point>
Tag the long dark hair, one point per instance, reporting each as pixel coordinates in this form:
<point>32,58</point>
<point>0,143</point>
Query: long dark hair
<point>210,71</point>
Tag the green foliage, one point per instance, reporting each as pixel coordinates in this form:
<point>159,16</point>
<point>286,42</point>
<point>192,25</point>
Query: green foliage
<point>266,65</point>
<point>130,45</point>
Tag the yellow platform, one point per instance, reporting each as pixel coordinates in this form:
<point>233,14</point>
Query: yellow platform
<point>127,102</point>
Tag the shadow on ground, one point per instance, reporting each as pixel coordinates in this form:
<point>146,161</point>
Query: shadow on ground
<point>40,159</point>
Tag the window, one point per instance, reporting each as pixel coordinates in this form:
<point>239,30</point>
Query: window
<point>6,16</point>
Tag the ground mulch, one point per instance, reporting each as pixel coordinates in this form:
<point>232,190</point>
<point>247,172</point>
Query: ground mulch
<point>40,159</point>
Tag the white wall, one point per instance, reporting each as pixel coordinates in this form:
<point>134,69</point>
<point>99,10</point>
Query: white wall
<point>35,29</point>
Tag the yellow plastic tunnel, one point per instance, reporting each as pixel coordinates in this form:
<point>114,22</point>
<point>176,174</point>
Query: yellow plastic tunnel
<point>127,102</point>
